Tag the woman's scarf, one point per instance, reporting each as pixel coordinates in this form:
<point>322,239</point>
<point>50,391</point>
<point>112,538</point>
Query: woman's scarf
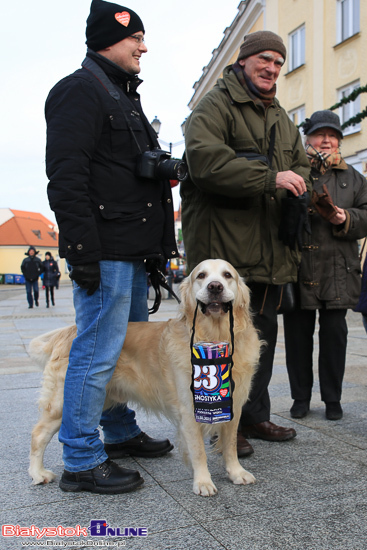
<point>323,161</point>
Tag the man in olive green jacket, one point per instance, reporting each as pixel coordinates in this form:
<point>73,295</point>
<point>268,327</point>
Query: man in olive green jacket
<point>232,202</point>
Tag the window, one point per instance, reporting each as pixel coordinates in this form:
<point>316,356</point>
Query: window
<point>349,109</point>
<point>52,235</point>
<point>347,19</point>
<point>297,115</point>
<point>37,232</point>
<point>297,48</point>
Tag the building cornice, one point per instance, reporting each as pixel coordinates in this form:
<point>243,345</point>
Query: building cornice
<point>227,49</point>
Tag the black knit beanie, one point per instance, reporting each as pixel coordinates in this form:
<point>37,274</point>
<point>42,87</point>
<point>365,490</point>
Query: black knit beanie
<point>110,23</point>
<point>260,41</point>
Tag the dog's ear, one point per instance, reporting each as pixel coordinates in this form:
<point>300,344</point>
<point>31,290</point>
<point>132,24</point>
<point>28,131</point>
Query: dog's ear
<point>241,306</point>
<point>188,302</point>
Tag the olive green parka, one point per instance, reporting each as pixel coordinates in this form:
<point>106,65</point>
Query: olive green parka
<point>231,208</point>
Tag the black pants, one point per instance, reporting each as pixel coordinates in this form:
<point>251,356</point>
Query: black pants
<point>265,298</point>
<point>50,291</point>
<point>299,328</point>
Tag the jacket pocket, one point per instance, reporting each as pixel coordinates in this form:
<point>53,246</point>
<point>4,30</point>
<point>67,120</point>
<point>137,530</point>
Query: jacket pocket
<point>122,126</point>
<point>353,279</point>
<point>286,159</point>
<point>127,212</point>
<point>235,235</point>
<point>131,229</point>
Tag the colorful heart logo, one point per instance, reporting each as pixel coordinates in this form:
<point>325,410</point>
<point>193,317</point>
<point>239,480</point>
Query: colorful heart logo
<point>223,392</point>
<point>123,18</point>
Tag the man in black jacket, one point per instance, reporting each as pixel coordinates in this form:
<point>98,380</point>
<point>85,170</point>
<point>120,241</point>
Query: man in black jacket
<point>32,268</point>
<point>111,221</point>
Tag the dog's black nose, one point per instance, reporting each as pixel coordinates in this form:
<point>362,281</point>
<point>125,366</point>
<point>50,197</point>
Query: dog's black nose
<point>215,287</point>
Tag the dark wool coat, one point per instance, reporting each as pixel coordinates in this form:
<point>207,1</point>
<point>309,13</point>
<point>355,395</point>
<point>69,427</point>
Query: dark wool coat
<point>51,273</point>
<point>330,269</point>
<point>94,139</point>
<point>230,206</point>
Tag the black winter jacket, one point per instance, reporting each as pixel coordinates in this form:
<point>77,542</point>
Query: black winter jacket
<point>32,268</point>
<point>95,128</point>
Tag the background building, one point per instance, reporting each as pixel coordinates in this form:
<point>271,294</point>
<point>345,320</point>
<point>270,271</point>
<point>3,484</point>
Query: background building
<point>326,43</point>
<point>18,231</point>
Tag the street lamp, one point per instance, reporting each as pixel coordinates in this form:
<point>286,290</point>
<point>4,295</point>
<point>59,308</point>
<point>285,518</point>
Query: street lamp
<point>156,125</point>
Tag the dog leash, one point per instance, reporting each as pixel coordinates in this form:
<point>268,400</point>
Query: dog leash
<point>231,327</point>
<point>158,279</point>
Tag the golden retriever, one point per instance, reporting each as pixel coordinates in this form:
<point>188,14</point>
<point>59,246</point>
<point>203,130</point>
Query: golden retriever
<point>154,371</point>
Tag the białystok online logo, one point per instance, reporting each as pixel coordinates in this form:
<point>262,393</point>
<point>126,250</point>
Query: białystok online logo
<point>97,528</point>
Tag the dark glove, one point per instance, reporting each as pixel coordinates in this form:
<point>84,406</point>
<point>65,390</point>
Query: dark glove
<point>323,203</point>
<point>294,219</point>
<point>87,276</point>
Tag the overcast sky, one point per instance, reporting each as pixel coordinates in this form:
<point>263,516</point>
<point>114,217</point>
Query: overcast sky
<point>42,41</point>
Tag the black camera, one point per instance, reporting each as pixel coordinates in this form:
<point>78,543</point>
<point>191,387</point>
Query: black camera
<point>159,165</point>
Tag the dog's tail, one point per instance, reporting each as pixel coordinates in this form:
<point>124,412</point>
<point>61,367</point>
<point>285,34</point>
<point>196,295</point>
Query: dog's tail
<point>41,348</point>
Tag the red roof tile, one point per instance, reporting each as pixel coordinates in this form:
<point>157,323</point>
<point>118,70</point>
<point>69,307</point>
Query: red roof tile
<point>28,228</point>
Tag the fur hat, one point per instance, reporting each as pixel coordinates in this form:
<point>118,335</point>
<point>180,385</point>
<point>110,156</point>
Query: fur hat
<point>260,41</point>
<point>322,119</point>
<point>110,23</point>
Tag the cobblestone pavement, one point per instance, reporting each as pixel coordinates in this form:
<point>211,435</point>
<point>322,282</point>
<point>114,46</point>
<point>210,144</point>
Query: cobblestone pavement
<point>310,494</point>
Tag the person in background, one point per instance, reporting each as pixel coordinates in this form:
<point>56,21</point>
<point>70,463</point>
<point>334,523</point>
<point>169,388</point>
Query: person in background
<point>245,159</point>
<point>51,277</point>
<point>329,279</point>
<point>32,268</point>
<point>112,223</point>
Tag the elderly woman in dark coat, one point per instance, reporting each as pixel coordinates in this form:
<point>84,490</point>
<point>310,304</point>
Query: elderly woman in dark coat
<point>51,277</point>
<point>329,276</point>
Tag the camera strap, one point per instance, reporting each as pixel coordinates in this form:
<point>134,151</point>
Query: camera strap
<point>100,75</point>
<point>115,93</point>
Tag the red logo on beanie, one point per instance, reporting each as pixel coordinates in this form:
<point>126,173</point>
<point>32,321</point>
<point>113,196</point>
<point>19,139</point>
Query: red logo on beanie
<point>123,18</point>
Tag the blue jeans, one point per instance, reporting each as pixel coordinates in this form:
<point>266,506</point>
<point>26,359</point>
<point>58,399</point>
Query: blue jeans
<point>101,321</point>
<point>29,286</point>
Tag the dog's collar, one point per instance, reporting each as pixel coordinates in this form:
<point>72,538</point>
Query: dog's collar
<point>225,306</point>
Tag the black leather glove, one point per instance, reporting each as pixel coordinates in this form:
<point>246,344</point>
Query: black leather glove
<point>294,219</point>
<point>87,276</point>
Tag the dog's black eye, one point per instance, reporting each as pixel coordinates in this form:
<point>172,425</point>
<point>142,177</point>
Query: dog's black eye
<point>201,276</point>
<point>228,275</point>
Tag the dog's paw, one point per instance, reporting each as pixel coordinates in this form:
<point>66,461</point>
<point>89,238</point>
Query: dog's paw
<point>241,477</point>
<point>205,489</point>
<point>42,477</point>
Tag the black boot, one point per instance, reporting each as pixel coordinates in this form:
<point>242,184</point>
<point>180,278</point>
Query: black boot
<point>333,411</point>
<point>300,408</point>
<point>107,478</point>
<point>141,445</point>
